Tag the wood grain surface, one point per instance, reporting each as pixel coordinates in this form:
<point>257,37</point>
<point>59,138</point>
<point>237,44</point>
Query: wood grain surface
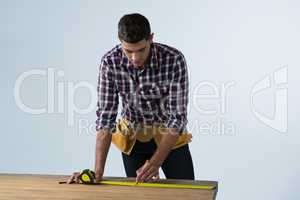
<point>33,187</point>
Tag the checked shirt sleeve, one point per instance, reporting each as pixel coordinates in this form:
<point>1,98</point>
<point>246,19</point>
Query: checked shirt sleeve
<point>107,105</point>
<point>178,99</point>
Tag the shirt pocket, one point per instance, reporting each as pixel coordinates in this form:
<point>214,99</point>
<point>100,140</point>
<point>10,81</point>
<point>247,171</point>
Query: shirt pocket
<point>153,91</point>
<point>125,88</point>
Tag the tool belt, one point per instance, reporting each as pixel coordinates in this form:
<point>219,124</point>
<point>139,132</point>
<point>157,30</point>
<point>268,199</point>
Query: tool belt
<point>127,133</point>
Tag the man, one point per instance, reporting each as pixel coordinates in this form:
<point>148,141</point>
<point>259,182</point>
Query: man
<point>152,81</point>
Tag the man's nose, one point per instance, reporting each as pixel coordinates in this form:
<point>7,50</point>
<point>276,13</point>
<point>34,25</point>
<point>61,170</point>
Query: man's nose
<point>135,56</point>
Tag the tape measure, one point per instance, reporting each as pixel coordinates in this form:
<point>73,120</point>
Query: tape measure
<point>87,176</point>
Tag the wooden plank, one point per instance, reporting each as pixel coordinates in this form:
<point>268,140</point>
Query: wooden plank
<point>33,187</point>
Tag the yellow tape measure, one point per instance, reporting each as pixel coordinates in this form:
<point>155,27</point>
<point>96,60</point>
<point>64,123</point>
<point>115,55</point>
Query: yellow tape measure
<point>87,176</point>
<point>159,185</point>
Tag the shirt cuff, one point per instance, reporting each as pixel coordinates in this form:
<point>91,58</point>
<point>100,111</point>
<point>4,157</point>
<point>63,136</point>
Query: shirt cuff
<point>110,127</point>
<point>179,125</point>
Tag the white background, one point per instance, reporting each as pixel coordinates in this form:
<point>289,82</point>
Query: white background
<point>223,41</point>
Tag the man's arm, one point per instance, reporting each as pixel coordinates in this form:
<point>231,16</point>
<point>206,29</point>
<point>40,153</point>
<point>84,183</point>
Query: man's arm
<point>106,117</point>
<point>107,111</point>
<point>103,141</point>
<point>177,104</point>
<point>168,141</point>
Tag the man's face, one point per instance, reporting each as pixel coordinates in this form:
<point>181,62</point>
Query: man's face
<point>138,52</point>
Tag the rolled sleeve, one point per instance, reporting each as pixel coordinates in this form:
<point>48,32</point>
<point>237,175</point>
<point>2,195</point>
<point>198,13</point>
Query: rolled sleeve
<point>178,99</point>
<point>108,100</point>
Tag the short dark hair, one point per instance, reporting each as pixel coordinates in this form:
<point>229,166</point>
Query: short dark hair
<point>133,28</point>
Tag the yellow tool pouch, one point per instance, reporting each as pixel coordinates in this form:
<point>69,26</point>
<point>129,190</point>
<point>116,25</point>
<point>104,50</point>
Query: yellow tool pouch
<point>126,135</point>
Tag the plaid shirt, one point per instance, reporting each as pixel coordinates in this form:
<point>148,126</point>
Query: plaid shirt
<point>156,94</point>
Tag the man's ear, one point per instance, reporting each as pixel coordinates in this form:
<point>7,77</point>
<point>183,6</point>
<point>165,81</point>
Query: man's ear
<point>151,37</point>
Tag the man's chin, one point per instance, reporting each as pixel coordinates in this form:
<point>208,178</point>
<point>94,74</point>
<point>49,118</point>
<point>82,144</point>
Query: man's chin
<point>139,66</point>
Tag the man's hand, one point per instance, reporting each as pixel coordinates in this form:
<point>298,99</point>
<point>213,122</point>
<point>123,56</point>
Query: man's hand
<point>103,141</point>
<point>148,173</point>
<point>150,170</point>
<point>98,176</point>
<point>74,178</point>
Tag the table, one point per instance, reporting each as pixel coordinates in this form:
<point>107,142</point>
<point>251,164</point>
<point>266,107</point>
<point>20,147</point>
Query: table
<point>27,186</point>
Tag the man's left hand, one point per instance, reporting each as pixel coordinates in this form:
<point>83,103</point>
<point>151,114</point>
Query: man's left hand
<point>148,173</point>
<point>150,170</point>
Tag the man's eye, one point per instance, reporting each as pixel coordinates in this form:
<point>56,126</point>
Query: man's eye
<point>141,50</point>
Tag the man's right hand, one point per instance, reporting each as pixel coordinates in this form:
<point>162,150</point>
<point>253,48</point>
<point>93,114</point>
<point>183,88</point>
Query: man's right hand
<point>99,176</point>
<point>74,178</point>
<point>103,141</point>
